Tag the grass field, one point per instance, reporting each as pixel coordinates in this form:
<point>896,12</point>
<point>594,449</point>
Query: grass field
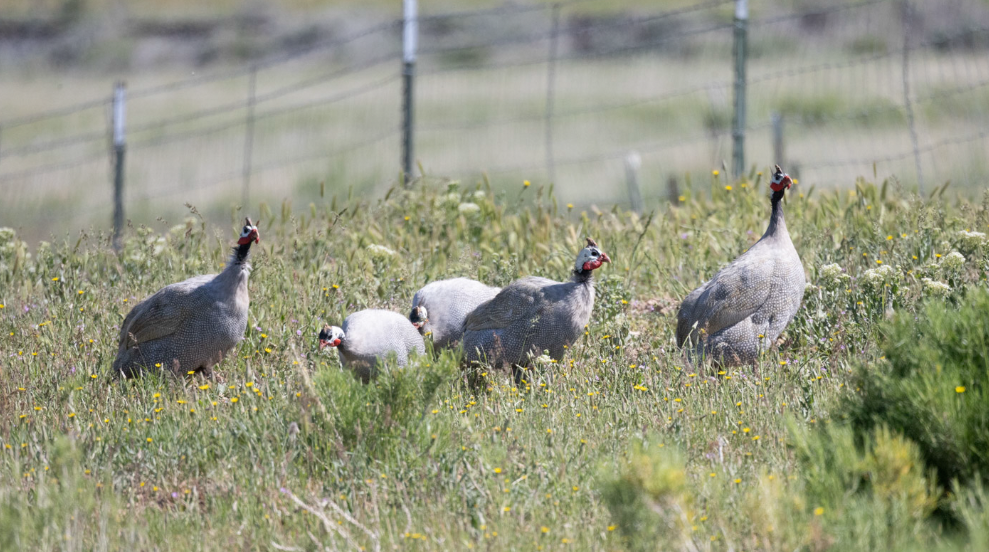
<point>622,445</point>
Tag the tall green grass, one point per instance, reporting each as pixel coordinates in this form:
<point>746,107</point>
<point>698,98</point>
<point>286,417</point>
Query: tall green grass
<point>621,444</point>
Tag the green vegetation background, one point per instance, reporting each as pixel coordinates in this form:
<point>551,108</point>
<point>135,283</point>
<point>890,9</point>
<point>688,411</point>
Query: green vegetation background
<point>856,433</point>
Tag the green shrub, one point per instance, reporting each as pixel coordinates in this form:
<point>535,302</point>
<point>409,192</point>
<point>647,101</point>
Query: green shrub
<point>863,491</point>
<point>932,387</point>
<point>385,412</point>
<point>648,497</point>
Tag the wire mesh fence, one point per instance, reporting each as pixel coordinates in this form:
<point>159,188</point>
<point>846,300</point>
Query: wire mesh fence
<point>559,93</point>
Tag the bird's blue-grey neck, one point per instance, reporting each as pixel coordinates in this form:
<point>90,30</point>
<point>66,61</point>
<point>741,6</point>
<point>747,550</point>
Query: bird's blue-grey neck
<point>238,268</point>
<point>776,221</point>
<point>241,253</point>
<point>582,276</point>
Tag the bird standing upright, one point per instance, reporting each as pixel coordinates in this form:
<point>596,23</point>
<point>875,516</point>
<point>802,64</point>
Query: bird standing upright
<point>534,314</point>
<point>741,311</point>
<point>191,325</point>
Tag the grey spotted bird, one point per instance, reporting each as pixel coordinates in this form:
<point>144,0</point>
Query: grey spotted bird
<point>191,325</point>
<point>440,308</point>
<point>532,315</point>
<point>741,311</point>
<point>369,337</point>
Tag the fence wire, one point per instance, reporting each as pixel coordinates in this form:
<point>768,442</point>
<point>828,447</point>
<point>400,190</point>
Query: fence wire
<point>513,94</point>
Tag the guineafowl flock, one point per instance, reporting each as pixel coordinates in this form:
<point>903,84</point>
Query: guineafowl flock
<point>190,326</point>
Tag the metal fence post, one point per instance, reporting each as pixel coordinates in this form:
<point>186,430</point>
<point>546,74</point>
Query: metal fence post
<point>777,120</point>
<point>633,162</point>
<point>249,134</point>
<point>551,90</point>
<point>119,148</point>
<point>738,117</point>
<point>673,190</point>
<point>410,31</point>
<point>907,14</point>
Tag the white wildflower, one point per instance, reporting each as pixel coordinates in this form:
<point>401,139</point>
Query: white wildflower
<point>876,277</point>
<point>972,239</point>
<point>831,274</point>
<point>953,260</point>
<point>160,244</point>
<point>479,194</point>
<point>469,208</point>
<point>6,235</point>
<point>543,359</point>
<point>935,288</point>
<point>452,198</point>
<point>380,250</point>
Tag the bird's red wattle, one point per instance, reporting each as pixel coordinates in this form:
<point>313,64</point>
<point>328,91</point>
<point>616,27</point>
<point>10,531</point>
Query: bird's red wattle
<point>784,184</point>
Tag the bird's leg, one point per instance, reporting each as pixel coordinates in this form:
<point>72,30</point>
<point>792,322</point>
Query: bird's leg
<point>518,373</point>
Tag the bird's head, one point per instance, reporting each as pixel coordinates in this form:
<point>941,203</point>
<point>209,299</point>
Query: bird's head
<point>331,336</point>
<point>590,258</point>
<point>249,233</point>
<point>419,317</point>
<point>781,181</point>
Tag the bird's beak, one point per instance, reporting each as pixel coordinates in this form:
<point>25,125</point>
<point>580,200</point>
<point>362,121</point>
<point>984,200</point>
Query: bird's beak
<point>605,258</point>
<point>323,343</point>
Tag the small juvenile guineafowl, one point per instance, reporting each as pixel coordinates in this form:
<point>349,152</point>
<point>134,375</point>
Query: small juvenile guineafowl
<point>439,308</point>
<point>532,315</point>
<point>190,325</point>
<point>368,337</point>
<point>747,304</point>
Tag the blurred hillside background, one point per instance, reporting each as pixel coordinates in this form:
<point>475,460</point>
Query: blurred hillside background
<point>235,100</point>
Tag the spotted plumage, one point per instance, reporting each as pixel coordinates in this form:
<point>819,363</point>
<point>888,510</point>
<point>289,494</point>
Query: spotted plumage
<point>191,325</point>
<point>369,337</point>
<point>440,308</point>
<point>532,315</point>
<point>741,311</point>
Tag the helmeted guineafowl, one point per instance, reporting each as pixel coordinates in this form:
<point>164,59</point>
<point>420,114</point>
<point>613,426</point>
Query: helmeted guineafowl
<point>742,310</point>
<point>532,315</point>
<point>439,308</point>
<point>368,337</point>
<point>191,325</point>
